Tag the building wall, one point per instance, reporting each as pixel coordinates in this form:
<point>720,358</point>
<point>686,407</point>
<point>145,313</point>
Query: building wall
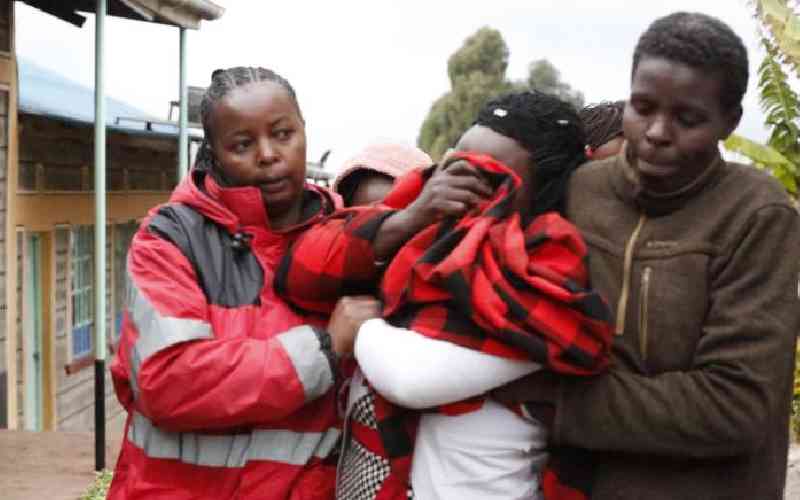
<point>6,35</point>
<point>3,302</point>
<point>8,281</point>
<point>18,355</point>
<point>56,162</point>
<point>75,385</point>
<point>58,156</point>
<point>74,378</point>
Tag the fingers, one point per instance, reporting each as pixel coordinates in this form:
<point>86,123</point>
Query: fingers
<point>460,174</point>
<point>452,191</point>
<point>459,166</point>
<point>348,316</point>
<point>456,203</point>
<point>446,157</point>
<point>454,196</point>
<point>358,307</point>
<point>467,182</point>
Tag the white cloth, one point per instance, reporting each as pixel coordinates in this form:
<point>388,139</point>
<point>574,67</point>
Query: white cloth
<point>486,454</point>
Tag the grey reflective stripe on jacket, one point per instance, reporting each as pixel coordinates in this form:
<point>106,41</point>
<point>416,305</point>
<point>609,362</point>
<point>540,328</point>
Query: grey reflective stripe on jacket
<point>157,332</point>
<point>310,362</point>
<point>231,450</point>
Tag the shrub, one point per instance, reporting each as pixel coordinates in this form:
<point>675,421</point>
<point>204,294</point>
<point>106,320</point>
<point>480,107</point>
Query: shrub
<point>98,489</point>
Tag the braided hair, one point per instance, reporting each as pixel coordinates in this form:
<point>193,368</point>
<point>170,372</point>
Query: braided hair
<point>550,130</point>
<point>701,42</point>
<point>602,121</point>
<point>223,81</point>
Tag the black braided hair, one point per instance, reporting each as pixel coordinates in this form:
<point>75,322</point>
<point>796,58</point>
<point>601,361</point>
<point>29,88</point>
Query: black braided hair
<point>602,121</point>
<point>701,42</point>
<point>222,82</point>
<point>550,130</point>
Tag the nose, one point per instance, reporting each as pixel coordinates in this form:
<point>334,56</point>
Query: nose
<point>267,153</point>
<point>658,131</point>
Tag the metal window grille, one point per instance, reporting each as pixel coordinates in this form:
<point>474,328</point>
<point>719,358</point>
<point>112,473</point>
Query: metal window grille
<point>81,288</point>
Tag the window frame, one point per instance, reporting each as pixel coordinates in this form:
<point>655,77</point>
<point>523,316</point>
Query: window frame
<point>81,293</point>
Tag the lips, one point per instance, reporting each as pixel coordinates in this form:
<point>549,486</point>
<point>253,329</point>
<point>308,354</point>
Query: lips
<point>274,186</point>
<point>654,165</point>
<point>656,169</point>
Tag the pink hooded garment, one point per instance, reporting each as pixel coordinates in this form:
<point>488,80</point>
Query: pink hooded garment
<point>389,159</point>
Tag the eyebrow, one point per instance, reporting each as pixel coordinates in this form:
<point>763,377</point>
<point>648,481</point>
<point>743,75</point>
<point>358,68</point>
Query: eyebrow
<point>279,120</point>
<point>681,101</point>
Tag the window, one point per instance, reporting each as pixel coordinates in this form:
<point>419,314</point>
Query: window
<point>81,288</point>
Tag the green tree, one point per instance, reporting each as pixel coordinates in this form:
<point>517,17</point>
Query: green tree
<point>782,25</point>
<point>484,52</point>
<point>477,73</point>
<point>780,102</point>
<point>545,77</point>
<point>780,36</point>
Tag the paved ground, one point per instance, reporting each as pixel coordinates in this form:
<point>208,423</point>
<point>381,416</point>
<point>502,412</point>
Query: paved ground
<point>50,465</point>
<point>60,465</point>
<point>793,474</point>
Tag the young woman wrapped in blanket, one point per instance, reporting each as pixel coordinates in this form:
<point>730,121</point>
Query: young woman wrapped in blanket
<point>471,301</point>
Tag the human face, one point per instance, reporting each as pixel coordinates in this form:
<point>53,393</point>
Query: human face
<point>483,140</point>
<point>372,187</point>
<point>259,139</point>
<point>673,123</point>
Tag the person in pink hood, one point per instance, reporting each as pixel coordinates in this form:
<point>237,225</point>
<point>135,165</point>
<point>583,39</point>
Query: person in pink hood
<point>369,175</point>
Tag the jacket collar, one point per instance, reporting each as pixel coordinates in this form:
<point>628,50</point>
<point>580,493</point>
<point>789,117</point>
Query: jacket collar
<point>627,185</point>
<point>234,207</point>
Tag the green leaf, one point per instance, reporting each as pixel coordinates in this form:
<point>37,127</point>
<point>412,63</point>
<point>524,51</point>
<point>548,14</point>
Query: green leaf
<point>99,489</point>
<point>766,158</point>
<point>783,26</point>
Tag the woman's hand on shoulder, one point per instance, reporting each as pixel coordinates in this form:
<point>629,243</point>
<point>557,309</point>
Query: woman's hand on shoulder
<point>348,316</point>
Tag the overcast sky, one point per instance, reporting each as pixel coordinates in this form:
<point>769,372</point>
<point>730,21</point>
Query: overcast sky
<point>367,71</point>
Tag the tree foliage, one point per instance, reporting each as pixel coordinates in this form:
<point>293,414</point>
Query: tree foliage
<point>767,158</point>
<point>477,73</point>
<point>484,52</point>
<point>780,36</point>
<point>782,24</point>
<point>779,101</point>
<point>545,77</point>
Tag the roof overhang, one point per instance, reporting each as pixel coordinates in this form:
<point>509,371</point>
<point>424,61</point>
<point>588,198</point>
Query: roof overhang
<point>181,13</point>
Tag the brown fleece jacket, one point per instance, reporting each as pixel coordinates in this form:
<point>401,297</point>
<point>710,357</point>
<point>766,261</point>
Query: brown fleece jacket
<point>696,405</point>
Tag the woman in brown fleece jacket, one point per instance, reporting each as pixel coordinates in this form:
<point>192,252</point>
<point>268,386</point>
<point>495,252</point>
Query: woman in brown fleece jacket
<point>700,259</point>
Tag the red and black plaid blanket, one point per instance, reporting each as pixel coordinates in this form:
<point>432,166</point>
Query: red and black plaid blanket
<point>491,283</point>
<point>488,281</point>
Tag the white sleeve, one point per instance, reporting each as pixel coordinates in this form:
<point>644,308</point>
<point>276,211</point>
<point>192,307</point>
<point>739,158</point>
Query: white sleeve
<point>417,372</point>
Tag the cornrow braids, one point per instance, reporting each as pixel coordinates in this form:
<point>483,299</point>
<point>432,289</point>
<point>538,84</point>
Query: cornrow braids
<point>223,81</point>
<point>602,122</point>
<point>550,130</point>
<point>701,42</point>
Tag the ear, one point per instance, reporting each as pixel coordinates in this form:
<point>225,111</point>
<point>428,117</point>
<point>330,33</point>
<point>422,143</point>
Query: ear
<point>732,118</point>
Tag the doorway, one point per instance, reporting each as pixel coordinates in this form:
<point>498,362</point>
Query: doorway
<point>32,333</point>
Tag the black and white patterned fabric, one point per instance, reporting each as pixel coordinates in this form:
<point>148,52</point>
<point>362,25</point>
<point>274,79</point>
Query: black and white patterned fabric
<point>361,474</point>
<point>363,410</point>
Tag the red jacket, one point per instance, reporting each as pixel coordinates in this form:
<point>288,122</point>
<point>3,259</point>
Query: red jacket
<point>229,392</point>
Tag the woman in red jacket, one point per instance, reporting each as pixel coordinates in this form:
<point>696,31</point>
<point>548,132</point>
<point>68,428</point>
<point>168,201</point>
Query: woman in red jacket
<point>229,392</point>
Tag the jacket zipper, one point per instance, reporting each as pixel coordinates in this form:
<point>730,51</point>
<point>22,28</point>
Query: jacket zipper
<point>644,298</point>
<point>622,305</point>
